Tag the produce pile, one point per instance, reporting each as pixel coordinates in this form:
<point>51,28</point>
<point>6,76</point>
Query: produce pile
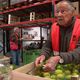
<point>5,71</point>
<point>62,72</point>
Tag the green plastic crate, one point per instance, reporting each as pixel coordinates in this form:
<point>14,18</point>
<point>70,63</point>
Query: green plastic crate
<point>30,56</point>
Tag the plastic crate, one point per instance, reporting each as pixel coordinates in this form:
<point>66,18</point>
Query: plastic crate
<point>30,56</point>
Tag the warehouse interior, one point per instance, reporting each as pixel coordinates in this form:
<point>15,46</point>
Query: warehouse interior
<point>34,19</point>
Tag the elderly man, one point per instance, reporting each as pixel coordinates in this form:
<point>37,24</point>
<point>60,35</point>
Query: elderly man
<point>64,39</point>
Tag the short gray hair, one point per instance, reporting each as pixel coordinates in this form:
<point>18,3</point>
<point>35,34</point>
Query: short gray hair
<point>15,28</point>
<point>71,7</point>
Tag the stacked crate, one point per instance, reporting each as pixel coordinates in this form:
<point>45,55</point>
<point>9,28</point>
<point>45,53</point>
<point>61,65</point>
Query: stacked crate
<point>4,4</point>
<point>30,55</point>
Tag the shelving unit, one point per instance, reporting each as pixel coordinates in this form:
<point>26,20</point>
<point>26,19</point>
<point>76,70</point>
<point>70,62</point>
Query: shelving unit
<point>27,7</point>
<point>18,15</point>
<point>23,10</point>
<point>40,22</point>
<point>44,14</point>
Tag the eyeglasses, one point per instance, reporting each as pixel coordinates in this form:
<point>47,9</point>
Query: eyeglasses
<point>62,11</point>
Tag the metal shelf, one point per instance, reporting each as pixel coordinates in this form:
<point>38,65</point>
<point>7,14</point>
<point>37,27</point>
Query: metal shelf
<point>35,23</point>
<point>28,8</point>
<point>39,7</point>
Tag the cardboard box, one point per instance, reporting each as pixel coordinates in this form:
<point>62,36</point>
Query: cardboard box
<point>25,72</point>
<point>5,60</point>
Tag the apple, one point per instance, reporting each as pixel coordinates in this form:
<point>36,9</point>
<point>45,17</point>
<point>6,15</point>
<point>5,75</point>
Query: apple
<point>75,71</point>
<point>60,76</point>
<point>59,67</point>
<point>58,71</point>
<point>68,77</point>
<point>67,72</point>
<point>53,76</point>
<point>74,74</point>
<point>52,79</point>
<point>46,74</point>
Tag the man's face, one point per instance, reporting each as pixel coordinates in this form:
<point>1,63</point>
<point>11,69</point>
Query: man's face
<point>17,30</point>
<point>64,14</point>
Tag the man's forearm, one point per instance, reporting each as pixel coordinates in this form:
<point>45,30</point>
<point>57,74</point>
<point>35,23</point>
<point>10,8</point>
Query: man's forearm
<point>71,57</point>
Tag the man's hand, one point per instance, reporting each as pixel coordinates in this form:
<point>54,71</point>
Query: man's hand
<point>51,63</point>
<point>39,60</point>
<point>1,78</point>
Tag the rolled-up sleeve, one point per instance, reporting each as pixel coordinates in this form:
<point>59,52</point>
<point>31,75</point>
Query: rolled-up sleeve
<point>47,48</point>
<point>72,56</point>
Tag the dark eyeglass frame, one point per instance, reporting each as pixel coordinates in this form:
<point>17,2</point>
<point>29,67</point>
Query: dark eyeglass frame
<point>62,11</point>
